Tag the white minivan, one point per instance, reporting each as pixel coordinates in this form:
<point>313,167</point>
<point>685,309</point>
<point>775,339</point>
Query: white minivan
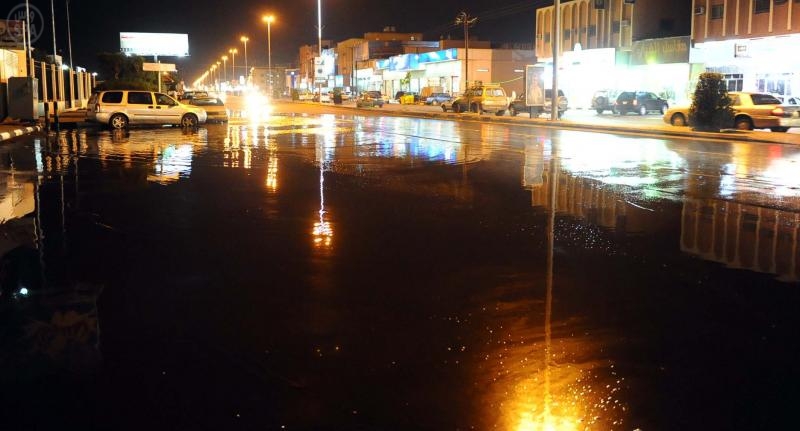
<point>121,108</point>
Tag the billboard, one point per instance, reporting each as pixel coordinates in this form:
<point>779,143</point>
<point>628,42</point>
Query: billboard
<point>534,85</point>
<point>154,44</point>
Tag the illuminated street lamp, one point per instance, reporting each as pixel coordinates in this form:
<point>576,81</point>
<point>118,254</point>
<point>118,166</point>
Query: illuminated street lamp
<point>225,66</point>
<point>233,52</point>
<point>268,19</point>
<point>244,40</point>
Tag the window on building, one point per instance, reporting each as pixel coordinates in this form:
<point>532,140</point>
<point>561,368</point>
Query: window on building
<point>734,81</point>
<point>615,27</point>
<point>717,11</point>
<point>593,30</point>
<point>780,1</point>
<point>567,33</point>
<point>547,38</point>
<point>666,24</point>
<point>760,6</point>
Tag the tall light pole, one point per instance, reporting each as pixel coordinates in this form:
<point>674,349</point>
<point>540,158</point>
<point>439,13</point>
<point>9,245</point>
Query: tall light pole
<point>556,48</point>
<point>319,41</point>
<point>219,77</point>
<point>244,40</point>
<point>225,66</point>
<point>233,52</point>
<point>69,37</point>
<point>464,19</point>
<point>268,19</point>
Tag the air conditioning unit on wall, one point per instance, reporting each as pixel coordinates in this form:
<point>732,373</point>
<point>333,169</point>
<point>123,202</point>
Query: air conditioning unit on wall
<point>699,10</point>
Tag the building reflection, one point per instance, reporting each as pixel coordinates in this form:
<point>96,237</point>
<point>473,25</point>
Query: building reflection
<point>745,234</point>
<point>742,236</point>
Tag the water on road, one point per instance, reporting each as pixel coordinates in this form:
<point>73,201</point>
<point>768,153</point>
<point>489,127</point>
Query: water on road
<point>307,270</point>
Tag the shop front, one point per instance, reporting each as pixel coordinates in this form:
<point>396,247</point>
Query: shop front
<point>767,64</point>
<point>662,66</point>
<point>421,73</point>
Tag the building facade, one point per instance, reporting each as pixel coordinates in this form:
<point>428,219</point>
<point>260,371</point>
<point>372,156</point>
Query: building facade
<point>620,44</point>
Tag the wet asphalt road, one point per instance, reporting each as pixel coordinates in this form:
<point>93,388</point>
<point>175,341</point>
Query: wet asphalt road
<point>312,271</point>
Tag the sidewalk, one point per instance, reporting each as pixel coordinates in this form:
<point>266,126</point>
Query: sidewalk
<point>586,120</point>
<point>13,130</point>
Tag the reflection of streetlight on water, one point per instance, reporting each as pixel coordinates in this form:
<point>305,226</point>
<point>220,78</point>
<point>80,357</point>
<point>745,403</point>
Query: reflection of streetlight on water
<point>323,232</point>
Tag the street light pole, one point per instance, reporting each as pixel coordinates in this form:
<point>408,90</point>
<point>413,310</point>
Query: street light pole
<point>244,39</point>
<point>319,41</point>
<point>233,52</point>
<point>225,66</point>
<point>69,37</point>
<point>556,48</point>
<point>268,19</point>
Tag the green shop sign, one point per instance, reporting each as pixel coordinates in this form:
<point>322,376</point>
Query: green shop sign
<point>660,51</point>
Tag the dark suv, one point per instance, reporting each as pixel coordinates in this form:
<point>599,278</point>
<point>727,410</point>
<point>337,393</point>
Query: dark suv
<point>640,102</point>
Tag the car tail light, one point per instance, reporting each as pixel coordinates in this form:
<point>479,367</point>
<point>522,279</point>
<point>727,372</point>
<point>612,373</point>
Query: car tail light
<point>778,112</point>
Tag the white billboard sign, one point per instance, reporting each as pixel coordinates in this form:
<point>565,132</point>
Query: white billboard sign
<point>154,44</point>
<point>158,67</point>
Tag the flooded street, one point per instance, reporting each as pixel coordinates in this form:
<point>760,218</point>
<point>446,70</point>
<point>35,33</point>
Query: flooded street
<point>317,271</point>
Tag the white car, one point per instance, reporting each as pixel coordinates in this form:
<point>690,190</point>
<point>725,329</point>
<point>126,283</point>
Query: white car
<point>122,108</point>
<point>214,107</point>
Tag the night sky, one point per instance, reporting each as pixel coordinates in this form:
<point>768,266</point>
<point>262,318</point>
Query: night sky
<point>215,26</point>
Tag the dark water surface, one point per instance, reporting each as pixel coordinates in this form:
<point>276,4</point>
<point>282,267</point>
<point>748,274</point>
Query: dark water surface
<point>335,272</point>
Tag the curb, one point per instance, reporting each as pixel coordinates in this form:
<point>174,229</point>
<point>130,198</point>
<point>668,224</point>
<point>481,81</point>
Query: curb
<point>4,136</point>
<point>727,135</point>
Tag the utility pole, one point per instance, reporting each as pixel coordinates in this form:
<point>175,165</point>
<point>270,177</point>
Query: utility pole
<point>69,37</point>
<point>556,50</point>
<point>467,21</point>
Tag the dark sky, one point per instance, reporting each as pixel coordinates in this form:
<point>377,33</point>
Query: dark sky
<point>215,26</point>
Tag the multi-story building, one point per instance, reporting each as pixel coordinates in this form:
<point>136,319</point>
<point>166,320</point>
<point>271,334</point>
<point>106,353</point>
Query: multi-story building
<point>620,44</point>
<point>752,42</point>
<point>305,62</point>
<point>375,45</point>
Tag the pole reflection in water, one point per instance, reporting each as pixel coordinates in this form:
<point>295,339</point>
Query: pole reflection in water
<point>553,377</point>
<point>272,166</point>
<point>325,147</point>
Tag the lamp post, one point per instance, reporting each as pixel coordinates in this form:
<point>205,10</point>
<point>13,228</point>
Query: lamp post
<point>225,66</point>
<point>319,41</point>
<point>233,52</point>
<point>219,78</point>
<point>69,37</point>
<point>556,51</point>
<point>244,40</point>
<point>268,19</point>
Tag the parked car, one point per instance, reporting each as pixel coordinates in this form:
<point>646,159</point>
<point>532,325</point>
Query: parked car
<point>214,107</point>
<point>751,111</point>
<point>640,102</point>
<point>603,100</point>
<point>481,98</point>
<point>369,99</point>
<point>519,105</point>
<point>324,97</point>
<point>438,98</point>
<point>406,97</point>
<point>189,95</point>
<point>788,100</point>
<point>121,108</point>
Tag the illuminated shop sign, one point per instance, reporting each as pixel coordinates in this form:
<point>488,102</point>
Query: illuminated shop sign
<point>154,44</point>
<point>660,51</point>
<point>414,61</point>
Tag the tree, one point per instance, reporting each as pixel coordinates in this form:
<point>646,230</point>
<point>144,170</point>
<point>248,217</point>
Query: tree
<point>711,107</point>
<point>120,71</point>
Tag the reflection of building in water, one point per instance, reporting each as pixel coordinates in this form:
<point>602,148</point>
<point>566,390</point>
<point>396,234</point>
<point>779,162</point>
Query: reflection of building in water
<point>742,236</point>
